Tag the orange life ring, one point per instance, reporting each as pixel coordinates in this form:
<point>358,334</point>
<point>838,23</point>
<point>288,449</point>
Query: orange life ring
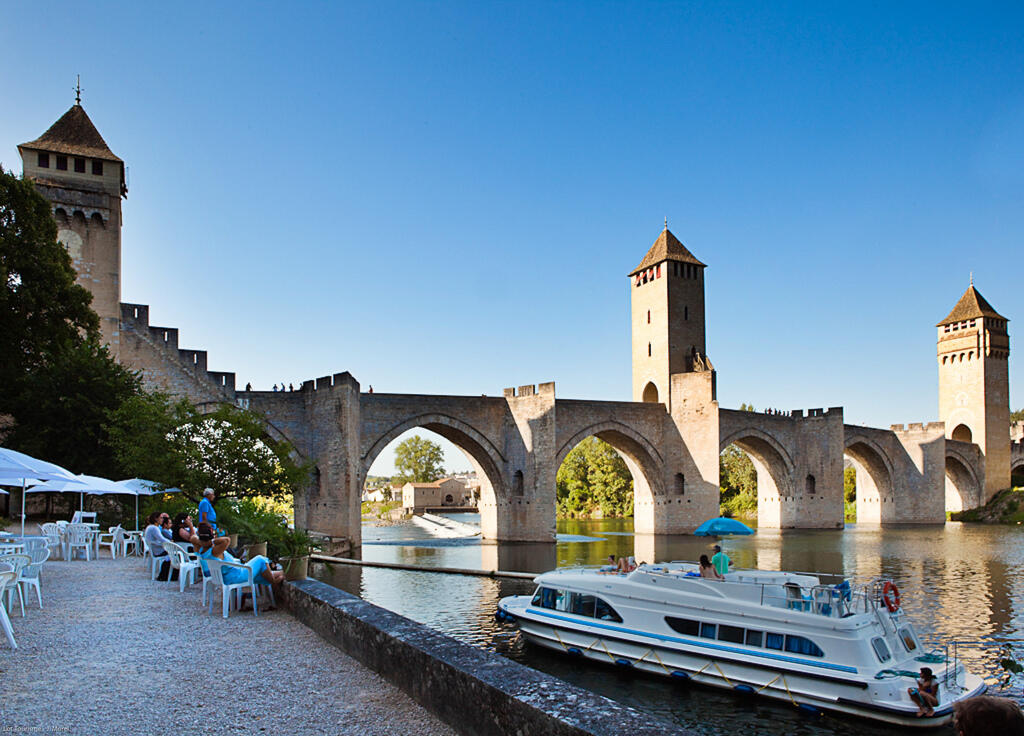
<point>891,596</point>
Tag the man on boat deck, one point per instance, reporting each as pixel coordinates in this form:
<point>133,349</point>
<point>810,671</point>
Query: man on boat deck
<point>720,561</point>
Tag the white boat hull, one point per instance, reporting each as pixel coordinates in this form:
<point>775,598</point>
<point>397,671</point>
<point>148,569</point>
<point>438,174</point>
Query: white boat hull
<point>812,692</point>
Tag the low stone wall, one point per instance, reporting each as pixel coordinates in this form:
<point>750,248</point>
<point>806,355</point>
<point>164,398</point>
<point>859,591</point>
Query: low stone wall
<point>475,691</point>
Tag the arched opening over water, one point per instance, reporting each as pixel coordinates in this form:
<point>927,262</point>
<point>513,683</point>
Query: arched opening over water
<point>962,433</point>
<point>641,460</point>
<point>478,456</point>
<point>1017,473</point>
<point>774,469</point>
<point>962,488</point>
<point>873,488</point>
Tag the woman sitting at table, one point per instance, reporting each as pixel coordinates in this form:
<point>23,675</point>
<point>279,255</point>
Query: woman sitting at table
<point>212,547</point>
<point>153,536</point>
<point>182,530</point>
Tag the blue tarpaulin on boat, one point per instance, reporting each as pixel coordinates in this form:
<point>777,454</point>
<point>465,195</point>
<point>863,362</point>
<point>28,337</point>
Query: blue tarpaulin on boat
<point>722,525</point>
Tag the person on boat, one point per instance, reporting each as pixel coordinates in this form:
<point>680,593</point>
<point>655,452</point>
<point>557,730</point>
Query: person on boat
<point>707,570</point>
<point>987,714</point>
<point>926,694</point>
<point>720,560</point>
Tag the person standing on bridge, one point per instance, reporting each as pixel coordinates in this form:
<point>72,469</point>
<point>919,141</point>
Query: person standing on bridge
<point>720,561</point>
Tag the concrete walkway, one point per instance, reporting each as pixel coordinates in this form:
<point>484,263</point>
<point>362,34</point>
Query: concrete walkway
<point>114,653</point>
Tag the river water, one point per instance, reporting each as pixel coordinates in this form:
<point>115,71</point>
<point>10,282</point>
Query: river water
<point>958,582</point>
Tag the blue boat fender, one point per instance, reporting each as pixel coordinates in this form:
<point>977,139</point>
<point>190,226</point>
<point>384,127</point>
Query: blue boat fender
<point>808,709</point>
<point>575,651</point>
<point>680,675</point>
<point>623,662</point>
<point>743,689</point>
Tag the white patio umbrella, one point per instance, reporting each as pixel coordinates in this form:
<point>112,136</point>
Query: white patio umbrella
<point>17,468</point>
<point>80,484</point>
<point>141,487</point>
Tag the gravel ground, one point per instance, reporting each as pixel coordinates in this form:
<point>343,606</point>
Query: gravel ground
<point>112,652</point>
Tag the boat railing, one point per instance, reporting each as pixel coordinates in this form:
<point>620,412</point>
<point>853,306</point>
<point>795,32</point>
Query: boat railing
<point>824,600</point>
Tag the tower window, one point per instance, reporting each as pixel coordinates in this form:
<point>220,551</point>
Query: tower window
<point>680,484</point>
<point>657,271</point>
<point>686,313</point>
<point>43,161</point>
<point>79,165</point>
<point>648,316</point>
<point>97,167</point>
<point>62,163</point>
<point>810,485</point>
<point>648,350</point>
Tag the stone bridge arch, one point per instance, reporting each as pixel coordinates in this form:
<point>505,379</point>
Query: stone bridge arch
<point>775,470</point>
<point>486,459</point>
<point>642,458</point>
<point>964,476</point>
<point>1017,463</point>
<point>875,479</point>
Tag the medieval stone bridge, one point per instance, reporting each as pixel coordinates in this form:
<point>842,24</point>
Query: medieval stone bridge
<point>516,443</point>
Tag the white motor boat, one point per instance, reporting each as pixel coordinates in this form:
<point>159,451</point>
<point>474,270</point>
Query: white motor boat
<point>782,635</point>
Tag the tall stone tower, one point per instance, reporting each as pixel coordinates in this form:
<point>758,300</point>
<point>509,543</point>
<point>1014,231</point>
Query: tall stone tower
<point>974,383</point>
<point>84,181</point>
<point>667,300</point>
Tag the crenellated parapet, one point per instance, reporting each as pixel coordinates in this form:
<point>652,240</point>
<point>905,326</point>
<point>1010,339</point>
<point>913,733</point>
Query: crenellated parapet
<point>154,352</point>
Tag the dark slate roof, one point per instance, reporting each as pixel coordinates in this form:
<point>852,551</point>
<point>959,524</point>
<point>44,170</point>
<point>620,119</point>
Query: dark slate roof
<point>971,306</point>
<point>74,134</point>
<point>666,248</point>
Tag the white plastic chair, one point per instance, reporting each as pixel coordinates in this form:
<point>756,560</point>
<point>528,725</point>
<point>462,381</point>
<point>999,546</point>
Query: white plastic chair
<point>78,536</point>
<point>232,592</point>
<point>133,540</point>
<point>17,563</point>
<point>186,564</point>
<point>155,561</point>
<point>115,539</point>
<point>81,517</point>
<point>7,580</point>
<point>29,577</point>
<point>53,540</point>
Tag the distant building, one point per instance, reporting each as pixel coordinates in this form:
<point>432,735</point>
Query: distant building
<point>444,492</point>
<point>378,495</point>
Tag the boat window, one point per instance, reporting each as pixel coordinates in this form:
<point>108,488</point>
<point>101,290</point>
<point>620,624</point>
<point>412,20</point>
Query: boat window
<point>800,645</point>
<point>562,600</point>
<point>605,612</point>
<point>707,631</point>
<point>907,637</point>
<point>730,633</point>
<point>683,625</point>
<point>774,641</point>
<point>544,598</point>
<point>753,638</point>
<point>881,650</point>
<point>582,605</point>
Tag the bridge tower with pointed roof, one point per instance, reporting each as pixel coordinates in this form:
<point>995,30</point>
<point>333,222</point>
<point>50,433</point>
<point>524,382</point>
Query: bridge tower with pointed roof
<point>668,334</point>
<point>974,387</point>
<point>74,169</point>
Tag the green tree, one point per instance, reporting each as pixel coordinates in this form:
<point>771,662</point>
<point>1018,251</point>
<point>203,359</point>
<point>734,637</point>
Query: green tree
<point>594,480</point>
<point>62,408</point>
<point>850,484</point>
<point>42,309</point>
<point>737,480</point>
<point>747,407</point>
<point>418,460</point>
<point>1017,416</point>
<point>227,450</point>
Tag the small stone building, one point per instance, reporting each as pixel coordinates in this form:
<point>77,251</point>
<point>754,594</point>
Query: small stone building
<point>444,492</point>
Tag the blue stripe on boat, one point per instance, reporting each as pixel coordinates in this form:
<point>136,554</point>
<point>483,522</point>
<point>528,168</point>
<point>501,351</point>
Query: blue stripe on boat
<point>696,643</point>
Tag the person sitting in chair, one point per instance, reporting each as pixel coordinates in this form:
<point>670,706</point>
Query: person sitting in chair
<point>217,548</point>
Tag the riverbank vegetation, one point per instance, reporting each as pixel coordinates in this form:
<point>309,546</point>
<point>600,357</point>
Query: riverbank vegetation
<point>594,483</point>
<point>1006,507</point>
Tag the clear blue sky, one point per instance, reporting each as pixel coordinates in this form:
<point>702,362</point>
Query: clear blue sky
<point>446,198</point>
